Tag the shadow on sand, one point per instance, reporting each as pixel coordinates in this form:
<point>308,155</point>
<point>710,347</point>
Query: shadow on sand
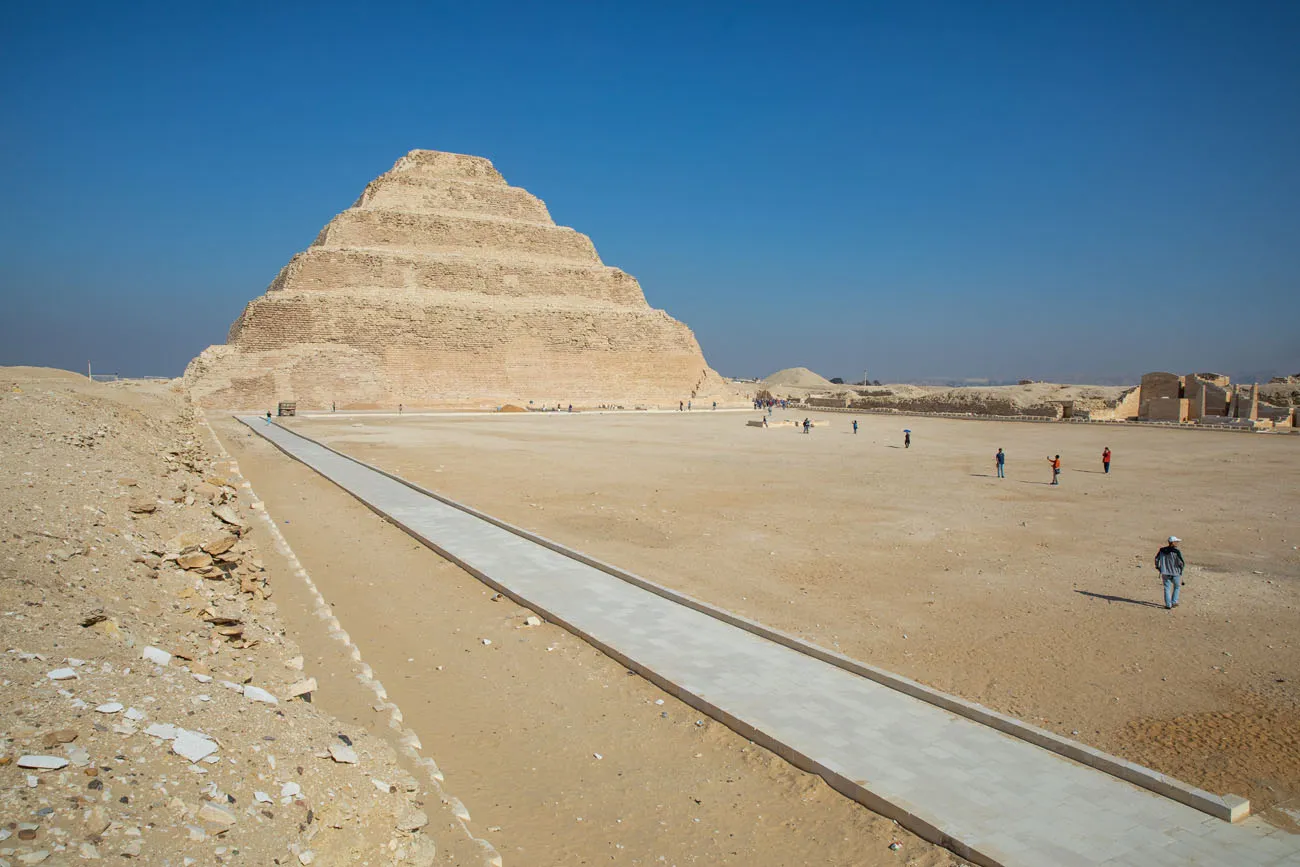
<point>1110,598</point>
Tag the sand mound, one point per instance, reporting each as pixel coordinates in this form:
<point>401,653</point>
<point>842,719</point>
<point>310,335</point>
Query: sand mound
<point>510,407</point>
<point>797,377</point>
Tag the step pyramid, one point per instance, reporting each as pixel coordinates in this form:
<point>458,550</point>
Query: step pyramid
<point>445,286</point>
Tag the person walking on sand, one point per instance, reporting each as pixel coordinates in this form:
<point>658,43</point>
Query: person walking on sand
<point>1105,459</point>
<point>1056,469</point>
<point>715,404</point>
<point>855,427</point>
<point>907,439</point>
<point>681,405</point>
<point>807,425</point>
<point>1169,563</point>
<point>268,416</point>
<point>1001,460</point>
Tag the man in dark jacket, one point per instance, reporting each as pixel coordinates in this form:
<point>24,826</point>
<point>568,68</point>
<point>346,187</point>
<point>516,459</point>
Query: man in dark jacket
<point>1169,563</point>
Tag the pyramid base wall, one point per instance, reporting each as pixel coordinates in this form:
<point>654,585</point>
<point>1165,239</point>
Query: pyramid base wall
<point>318,376</point>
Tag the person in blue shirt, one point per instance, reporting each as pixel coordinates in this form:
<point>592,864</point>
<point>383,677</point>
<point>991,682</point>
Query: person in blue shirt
<point>1001,460</point>
<point>855,426</point>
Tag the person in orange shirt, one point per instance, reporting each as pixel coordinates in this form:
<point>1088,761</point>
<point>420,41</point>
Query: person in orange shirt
<point>1056,469</point>
<point>1105,459</point>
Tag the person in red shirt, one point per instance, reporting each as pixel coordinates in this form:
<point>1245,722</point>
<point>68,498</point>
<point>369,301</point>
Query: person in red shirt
<point>1056,469</point>
<point>1105,459</point>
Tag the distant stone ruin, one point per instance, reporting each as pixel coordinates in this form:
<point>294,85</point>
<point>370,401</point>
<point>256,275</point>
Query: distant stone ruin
<point>1208,398</point>
<point>444,286</point>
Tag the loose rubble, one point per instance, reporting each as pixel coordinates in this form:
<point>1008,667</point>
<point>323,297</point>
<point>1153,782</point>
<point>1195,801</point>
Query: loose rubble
<point>132,582</point>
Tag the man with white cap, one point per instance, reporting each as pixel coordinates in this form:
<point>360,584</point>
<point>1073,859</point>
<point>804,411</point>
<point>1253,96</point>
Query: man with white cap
<point>1169,563</point>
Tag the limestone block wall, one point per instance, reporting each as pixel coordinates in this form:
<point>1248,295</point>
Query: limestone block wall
<point>399,192</point>
<point>323,269</point>
<point>444,285</point>
<point>1167,409</point>
<point>446,233</point>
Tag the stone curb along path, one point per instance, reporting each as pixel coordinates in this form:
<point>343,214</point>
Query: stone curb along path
<point>407,742</point>
<point>950,777</point>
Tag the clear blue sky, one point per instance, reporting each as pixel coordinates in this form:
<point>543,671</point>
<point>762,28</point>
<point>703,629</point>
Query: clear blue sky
<point>1077,190</point>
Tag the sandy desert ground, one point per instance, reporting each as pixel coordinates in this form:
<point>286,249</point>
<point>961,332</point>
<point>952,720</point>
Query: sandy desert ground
<point>560,755</point>
<point>1040,602</point>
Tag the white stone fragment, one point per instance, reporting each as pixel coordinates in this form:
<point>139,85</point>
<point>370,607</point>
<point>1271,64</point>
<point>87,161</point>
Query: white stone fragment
<point>262,798</point>
<point>342,754</point>
<point>166,731</point>
<point>386,788</point>
<point>62,674</point>
<point>110,707</point>
<point>133,714</point>
<point>156,656</point>
<point>42,763</point>
<point>532,620</point>
<point>485,641</point>
<point>192,745</point>
<point>202,678</point>
<point>256,693</point>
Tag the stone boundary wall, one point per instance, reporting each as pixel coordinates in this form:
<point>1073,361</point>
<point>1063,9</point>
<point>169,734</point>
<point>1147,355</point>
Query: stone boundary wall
<point>1230,808</point>
<point>970,416</point>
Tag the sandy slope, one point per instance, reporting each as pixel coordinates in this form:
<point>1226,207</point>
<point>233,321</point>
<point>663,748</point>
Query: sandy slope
<point>95,482</point>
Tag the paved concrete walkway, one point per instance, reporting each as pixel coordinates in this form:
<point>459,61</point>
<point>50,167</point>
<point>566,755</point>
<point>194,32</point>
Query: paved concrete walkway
<point>992,798</point>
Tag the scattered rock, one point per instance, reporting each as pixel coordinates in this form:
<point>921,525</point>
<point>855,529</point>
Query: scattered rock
<point>228,516</point>
<point>194,560</point>
<point>110,707</point>
<point>256,693</point>
<point>411,819</point>
<point>42,763</point>
<point>62,736</point>
<point>216,815</point>
<point>192,746</point>
<point>343,755</point>
<point>301,688</point>
<point>156,656</point>
<point>142,506</point>
<point>532,620</point>
<point>62,674</point>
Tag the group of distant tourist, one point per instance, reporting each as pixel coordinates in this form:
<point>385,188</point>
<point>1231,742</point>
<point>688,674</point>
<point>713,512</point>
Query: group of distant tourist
<point>1169,561</point>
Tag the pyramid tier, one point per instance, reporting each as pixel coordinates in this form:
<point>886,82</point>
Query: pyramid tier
<point>364,348</point>
<point>415,194</point>
<point>323,269</point>
<point>435,233</point>
<point>440,164</point>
